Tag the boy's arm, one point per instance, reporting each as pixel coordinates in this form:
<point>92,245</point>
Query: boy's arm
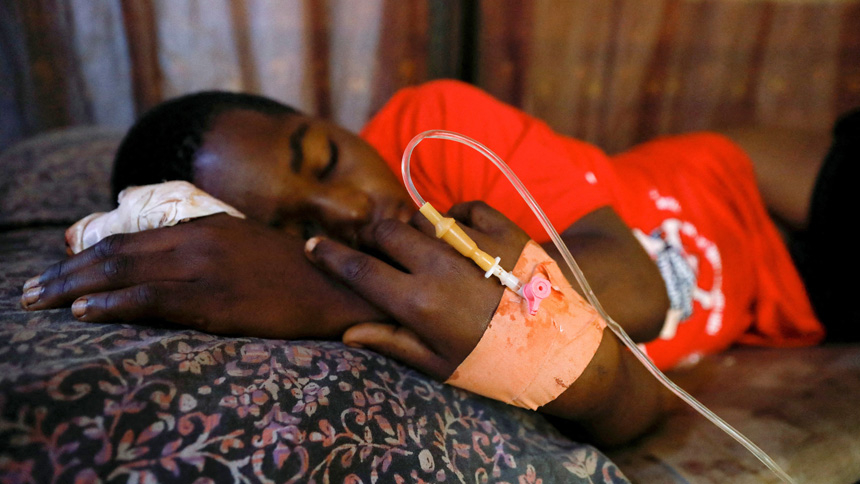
<point>219,274</point>
<point>615,399</point>
<point>619,271</point>
<point>444,305</point>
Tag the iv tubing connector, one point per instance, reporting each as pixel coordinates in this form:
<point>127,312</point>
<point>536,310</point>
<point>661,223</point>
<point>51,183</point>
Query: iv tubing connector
<point>448,230</point>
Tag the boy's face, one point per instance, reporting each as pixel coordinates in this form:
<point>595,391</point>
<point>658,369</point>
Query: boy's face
<point>299,173</point>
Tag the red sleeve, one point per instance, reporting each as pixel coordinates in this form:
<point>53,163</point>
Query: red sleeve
<point>747,289</point>
<point>568,178</point>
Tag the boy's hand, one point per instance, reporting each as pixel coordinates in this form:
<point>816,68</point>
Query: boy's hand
<point>219,274</point>
<point>441,298</point>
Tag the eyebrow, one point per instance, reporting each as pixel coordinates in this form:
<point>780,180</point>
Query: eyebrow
<point>296,148</point>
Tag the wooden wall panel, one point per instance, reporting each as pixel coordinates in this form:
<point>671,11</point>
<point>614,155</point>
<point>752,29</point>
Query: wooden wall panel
<point>142,42</point>
<point>402,53</point>
<point>448,23</point>
<point>565,71</point>
<point>848,77</point>
<point>798,74</point>
<point>739,56</point>
<point>50,89</point>
<point>504,50</point>
<point>637,48</point>
<point>707,55</point>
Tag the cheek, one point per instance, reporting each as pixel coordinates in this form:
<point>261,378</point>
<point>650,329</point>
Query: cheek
<point>257,212</point>
<point>381,179</point>
<point>396,189</point>
<point>255,206</point>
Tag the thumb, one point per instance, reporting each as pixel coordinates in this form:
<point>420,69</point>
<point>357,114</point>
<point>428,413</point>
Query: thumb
<point>399,343</point>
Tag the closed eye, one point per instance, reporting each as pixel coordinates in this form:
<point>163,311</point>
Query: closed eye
<point>298,156</point>
<point>332,161</point>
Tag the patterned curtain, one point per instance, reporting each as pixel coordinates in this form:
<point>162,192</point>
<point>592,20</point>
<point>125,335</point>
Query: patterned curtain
<point>617,72</point>
<point>71,62</point>
<point>613,72</point>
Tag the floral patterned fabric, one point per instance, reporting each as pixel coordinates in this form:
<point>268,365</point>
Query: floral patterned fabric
<point>132,403</point>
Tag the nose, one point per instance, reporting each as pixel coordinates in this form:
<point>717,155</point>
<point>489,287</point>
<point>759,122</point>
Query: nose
<point>343,209</point>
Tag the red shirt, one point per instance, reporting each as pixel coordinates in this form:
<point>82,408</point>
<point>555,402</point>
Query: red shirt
<point>691,201</point>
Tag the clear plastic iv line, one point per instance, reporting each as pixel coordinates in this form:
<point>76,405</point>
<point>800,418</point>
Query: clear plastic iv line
<point>580,278</point>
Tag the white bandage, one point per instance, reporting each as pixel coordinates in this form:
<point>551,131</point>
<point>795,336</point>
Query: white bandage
<point>146,207</point>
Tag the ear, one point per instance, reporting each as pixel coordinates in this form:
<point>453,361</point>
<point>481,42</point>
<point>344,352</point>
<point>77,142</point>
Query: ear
<point>399,343</point>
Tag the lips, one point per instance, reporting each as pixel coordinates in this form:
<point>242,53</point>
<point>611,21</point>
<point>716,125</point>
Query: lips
<point>347,231</point>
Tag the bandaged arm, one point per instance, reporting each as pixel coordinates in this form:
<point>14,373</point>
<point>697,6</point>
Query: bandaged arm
<point>615,399</point>
<point>144,208</point>
<point>560,357</point>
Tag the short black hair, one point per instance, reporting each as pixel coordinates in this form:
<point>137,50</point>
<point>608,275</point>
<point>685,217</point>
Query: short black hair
<point>162,144</point>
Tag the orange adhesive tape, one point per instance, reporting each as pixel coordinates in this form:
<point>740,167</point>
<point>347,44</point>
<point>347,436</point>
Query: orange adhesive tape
<point>525,360</point>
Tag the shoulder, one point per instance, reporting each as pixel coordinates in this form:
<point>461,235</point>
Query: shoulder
<point>446,91</point>
<point>440,102</point>
<point>448,105</point>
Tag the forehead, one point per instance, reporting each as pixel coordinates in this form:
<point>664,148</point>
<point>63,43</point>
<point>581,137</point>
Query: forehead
<point>243,157</point>
<point>250,140</point>
<point>247,129</point>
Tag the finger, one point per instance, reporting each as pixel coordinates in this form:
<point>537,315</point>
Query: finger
<point>405,244</point>
<point>114,245</point>
<point>491,230</point>
<point>374,280</point>
<point>399,343</point>
<point>161,300</point>
<point>485,241</point>
<point>103,275</point>
<point>480,237</point>
<point>420,222</point>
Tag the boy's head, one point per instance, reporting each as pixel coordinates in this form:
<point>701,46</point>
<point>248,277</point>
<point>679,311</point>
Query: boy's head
<point>268,160</point>
<point>163,143</point>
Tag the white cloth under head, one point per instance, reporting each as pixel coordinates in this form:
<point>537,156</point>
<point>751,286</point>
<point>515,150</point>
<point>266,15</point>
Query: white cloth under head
<point>146,207</point>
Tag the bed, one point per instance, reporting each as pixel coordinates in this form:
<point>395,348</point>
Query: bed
<point>149,403</point>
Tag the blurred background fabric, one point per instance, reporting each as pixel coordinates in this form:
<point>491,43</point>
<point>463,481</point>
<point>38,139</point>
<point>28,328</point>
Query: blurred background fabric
<point>613,72</point>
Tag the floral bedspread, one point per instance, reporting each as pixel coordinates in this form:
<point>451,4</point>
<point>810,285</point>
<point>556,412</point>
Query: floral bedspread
<point>130,403</point>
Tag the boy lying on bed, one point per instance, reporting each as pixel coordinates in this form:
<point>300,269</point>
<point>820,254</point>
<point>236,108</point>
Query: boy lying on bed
<point>690,200</point>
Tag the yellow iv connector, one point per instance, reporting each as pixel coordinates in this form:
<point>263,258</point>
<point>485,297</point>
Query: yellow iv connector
<point>448,230</point>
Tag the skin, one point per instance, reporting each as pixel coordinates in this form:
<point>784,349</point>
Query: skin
<point>226,275</point>
<point>289,170</point>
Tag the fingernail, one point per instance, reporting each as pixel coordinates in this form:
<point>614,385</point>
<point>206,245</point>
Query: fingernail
<point>354,344</point>
<point>31,295</point>
<point>79,307</point>
<point>311,243</point>
<point>31,282</point>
